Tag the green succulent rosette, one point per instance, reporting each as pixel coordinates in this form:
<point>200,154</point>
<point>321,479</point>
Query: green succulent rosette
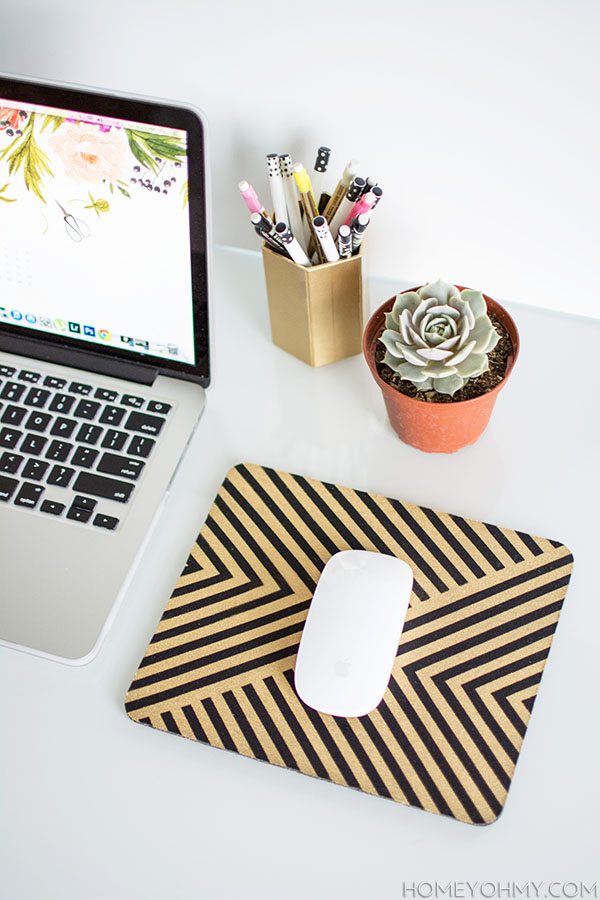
<point>438,337</point>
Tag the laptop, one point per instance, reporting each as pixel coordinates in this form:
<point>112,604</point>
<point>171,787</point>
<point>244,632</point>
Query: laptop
<point>104,347</point>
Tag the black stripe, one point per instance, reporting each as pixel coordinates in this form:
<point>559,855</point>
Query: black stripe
<point>245,727</point>
<point>530,543</point>
<point>192,718</point>
<point>348,537</point>
<point>218,724</point>
<point>489,612</point>
<point>472,640</point>
<point>477,542</point>
<point>326,737</point>
<point>145,721</point>
<point>438,757</point>
<point>528,703</point>
<point>504,542</point>
<point>218,656</point>
<point>170,722</point>
<point>428,542</point>
<point>213,678</point>
<point>360,754</point>
<point>225,633</point>
<point>270,727</point>
<point>460,550</point>
<point>270,502</point>
<point>469,599</point>
<point>301,511</point>
<point>276,542</point>
<point>504,693</point>
<point>388,758</point>
<point>294,725</point>
<point>222,573</point>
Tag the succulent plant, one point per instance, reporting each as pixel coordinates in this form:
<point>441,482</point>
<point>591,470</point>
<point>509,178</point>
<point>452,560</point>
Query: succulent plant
<point>438,337</point>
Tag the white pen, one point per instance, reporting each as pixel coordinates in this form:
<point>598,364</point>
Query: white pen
<point>291,244</point>
<point>326,241</point>
<point>292,202</point>
<point>276,185</point>
<point>344,241</point>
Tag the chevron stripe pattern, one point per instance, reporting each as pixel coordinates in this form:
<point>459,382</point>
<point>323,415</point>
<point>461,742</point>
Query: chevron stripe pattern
<point>447,734</point>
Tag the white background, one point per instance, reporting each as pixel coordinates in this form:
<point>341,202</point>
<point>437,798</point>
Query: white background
<point>479,119</point>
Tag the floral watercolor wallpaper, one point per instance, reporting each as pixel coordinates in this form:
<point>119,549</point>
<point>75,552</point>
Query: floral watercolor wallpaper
<point>105,160</point>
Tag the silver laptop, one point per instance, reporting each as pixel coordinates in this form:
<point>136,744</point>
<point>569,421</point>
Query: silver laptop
<point>104,351</point>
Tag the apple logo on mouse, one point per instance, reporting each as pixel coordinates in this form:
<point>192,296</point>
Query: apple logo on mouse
<point>342,668</point>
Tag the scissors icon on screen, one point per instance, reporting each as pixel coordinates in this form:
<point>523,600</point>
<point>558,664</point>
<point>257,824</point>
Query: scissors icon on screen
<point>75,228</point>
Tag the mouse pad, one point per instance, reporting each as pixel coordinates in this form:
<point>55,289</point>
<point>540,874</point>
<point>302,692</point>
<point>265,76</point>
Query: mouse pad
<point>447,734</point>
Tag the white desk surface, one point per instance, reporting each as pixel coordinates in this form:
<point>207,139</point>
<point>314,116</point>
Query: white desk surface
<point>93,806</point>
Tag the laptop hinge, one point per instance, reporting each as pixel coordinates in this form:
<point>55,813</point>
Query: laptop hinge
<point>79,359</point>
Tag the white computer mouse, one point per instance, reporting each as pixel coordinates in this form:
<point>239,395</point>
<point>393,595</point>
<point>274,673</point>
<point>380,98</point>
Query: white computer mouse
<point>352,632</point>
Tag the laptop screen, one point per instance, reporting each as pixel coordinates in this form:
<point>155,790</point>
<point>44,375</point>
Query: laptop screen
<point>96,224</point>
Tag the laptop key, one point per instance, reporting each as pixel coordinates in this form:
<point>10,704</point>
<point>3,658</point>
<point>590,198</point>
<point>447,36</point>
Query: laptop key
<point>154,406</point>
<point>140,446</point>
<point>52,507</point>
<point>29,494</point>
<point>36,397</point>
<point>38,421</point>
<point>88,434</point>
<point>13,415</point>
<point>84,457</point>
<point>64,427</point>
<point>9,437</point>
<point>33,444</point>
<point>60,476</point>
<point>103,394</point>
<point>58,383</point>
<point>131,400</point>
<point>99,486</point>
<point>85,503</point>
<point>35,468</point>
<point>77,388</point>
<point>86,409</point>
<point>102,521</point>
<point>138,421</point>
<point>58,450</point>
<point>7,487</point>
<point>62,403</point>
<point>32,377</point>
<point>10,462</point>
<point>120,465</point>
<point>12,391</point>
<point>7,371</point>
<point>114,440</point>
<point>79,515</point>
<point>112,415</point>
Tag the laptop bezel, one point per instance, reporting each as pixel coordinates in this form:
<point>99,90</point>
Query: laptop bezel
<point>137,366</point>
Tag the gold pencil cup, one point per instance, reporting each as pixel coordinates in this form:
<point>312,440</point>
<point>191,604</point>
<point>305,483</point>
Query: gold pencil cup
<point>316,312</point>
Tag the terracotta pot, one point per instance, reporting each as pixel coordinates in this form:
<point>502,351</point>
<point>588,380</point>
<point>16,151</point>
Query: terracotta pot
<point>437,427</point>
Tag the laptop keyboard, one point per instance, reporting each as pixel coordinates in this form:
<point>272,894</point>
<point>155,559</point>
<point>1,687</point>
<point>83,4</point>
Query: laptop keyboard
<point>70,449</point>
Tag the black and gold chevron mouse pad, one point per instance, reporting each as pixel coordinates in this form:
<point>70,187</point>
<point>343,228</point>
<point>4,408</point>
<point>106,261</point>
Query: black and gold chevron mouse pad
<point>447,734</point>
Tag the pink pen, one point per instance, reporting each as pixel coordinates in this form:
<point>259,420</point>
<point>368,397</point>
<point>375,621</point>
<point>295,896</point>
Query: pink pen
<point>363,205</point>
<point>251,200</point>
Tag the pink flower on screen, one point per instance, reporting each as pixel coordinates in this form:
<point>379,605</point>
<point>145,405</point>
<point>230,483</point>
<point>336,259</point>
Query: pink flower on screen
<point>9,118</point>
<point>89,154</point>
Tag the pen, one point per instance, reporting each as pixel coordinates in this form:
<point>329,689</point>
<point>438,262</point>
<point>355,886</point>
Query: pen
<point>309,206</point>
<point>344,241</point>
<point>326,241</point>
<point>352,195</point>
<point>342,186</point>
<point>299,229</point>
<point>276,185</point>
<point>369,185</point>
<point>378,192</point>
<point>250,198</point>
<point>358,231</point>
<point>320,167</point>
<point>291,244</point>
<point>362,205</point>
<point>269,238</point>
